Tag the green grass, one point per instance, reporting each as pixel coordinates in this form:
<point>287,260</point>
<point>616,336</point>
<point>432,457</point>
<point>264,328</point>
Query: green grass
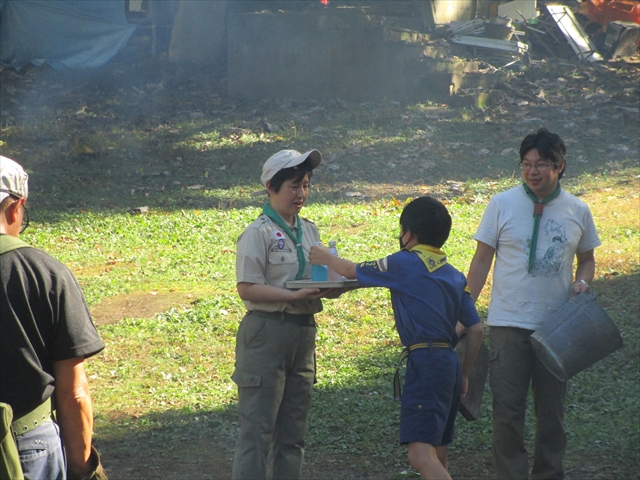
<point>164,401</point>
<point>158,375</point>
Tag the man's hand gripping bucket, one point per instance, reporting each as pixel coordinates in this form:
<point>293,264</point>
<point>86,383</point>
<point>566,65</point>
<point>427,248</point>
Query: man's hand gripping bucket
<point>577,336</point>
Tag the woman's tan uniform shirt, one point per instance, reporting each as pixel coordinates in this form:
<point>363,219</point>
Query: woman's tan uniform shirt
<point>267,256</point>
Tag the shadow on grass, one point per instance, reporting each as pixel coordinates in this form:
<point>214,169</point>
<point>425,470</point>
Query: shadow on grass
<point>168,445</point>
<point>353,426</point>
<point>115,137</point>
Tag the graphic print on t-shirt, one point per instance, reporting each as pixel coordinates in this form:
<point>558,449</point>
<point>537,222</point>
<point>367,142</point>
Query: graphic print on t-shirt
<point>549,263</point>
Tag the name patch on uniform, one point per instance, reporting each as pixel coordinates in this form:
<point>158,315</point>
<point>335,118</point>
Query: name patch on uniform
<point>280,243</point>
<point>279,237</point>
<point>380,265</point>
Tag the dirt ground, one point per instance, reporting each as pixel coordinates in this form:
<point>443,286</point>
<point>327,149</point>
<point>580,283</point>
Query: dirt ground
<point>138,305</point>
<point>593,106</point>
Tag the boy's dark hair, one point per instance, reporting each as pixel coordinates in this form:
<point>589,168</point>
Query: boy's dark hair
<point>428,219</point>
<point>296,173</point>
<point>549,146</point>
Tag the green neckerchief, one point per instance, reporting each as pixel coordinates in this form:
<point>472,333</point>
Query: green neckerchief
<point>538,206</point>
<point>277,219</point>
<point>432,257</point>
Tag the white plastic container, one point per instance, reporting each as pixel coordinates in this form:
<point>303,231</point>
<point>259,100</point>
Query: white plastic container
<point>332,275</point>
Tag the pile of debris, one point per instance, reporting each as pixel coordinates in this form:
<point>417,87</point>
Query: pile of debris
<point>470,57</point>
<point>379,50</point>
<point>556,30</point>
<point>494,38</point>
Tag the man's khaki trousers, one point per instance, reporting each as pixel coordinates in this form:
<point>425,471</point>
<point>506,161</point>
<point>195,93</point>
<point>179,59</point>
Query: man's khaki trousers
<point>513,366</point>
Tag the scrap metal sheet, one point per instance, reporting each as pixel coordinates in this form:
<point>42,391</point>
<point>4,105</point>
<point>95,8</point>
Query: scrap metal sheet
<point>573,32</point>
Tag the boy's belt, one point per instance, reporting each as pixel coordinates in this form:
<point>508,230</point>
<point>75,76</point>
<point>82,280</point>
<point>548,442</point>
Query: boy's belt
<point>397,392</point>
<point>33,419</point>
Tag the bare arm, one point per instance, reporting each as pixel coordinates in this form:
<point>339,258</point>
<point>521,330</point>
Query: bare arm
<point>74,414</point>
<point>479,269</point>
<point>585,270</point>
<point>322,256</point>
<point>256,292</point>
<point>475,334</point>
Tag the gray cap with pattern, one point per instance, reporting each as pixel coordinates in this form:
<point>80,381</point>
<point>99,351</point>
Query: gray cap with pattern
<point>13,179</point>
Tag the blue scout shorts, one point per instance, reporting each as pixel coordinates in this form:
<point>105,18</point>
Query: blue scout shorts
<point>430,397</point>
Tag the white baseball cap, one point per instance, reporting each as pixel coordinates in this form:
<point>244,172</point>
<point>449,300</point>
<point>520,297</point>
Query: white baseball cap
<point>13,179</point>
<point>287,159</point>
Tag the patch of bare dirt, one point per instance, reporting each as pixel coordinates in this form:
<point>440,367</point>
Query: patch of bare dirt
<point>138,305</point>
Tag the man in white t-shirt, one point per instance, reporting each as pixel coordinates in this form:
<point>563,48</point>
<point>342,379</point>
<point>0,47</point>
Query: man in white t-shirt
<point>534,231</point>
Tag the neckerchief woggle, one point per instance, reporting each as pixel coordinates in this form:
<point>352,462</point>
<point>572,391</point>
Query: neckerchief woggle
<point>432,257</point>
<point>538,206</point>
<point>297,240</point>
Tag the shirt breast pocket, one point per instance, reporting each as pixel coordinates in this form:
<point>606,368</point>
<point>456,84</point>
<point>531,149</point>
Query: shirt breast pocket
<point>281,262</point>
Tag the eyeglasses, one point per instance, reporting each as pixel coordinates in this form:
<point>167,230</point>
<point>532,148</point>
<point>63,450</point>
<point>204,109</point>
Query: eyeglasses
<point>25,219</point>
<point>539,167</point>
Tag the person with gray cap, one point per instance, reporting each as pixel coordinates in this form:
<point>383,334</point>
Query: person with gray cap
<point>47,333</point>
<point>275,344</point>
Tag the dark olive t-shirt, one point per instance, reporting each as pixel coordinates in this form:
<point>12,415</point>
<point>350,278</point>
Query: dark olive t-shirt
<point>43,318</point>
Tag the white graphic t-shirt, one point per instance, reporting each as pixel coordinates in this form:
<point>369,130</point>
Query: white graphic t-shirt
<point>526,300</point>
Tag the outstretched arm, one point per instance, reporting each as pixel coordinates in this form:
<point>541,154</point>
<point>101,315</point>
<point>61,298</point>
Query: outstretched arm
<point>322,256</point>
<point>256,292</point>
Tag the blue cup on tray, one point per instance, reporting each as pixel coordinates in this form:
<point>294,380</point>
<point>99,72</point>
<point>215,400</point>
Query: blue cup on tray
<point>319,273</point>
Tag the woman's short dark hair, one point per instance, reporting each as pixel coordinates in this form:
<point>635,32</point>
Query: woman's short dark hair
<point>428,219</point>
<point>296,173</point>
<point>549,146</point>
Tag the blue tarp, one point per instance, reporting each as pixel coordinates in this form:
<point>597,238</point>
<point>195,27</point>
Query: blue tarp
<point>62,33</point>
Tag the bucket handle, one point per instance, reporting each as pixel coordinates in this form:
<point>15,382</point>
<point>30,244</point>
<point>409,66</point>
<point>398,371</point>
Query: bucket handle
<point>590,296</point>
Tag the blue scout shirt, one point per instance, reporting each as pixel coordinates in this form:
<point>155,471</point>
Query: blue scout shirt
<point>428,295</point>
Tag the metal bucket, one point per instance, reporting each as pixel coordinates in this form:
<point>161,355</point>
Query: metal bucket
<point>579,335</point>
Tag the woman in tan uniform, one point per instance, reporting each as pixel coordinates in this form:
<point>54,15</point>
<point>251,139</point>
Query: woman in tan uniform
<point>275,345</point>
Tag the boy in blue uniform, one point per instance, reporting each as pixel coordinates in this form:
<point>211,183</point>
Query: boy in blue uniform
<point>429,297</point>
